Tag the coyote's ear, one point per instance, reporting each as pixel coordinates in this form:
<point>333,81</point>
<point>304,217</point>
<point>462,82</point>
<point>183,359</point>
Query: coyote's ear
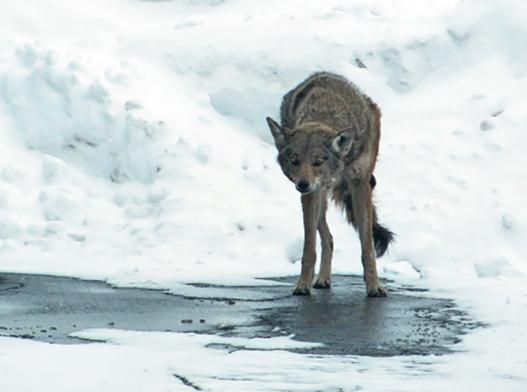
<point>341,144</point>
<point>279,133</point>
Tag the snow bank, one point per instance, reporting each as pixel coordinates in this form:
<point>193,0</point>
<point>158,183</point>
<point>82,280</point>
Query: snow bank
<point>141,156</point>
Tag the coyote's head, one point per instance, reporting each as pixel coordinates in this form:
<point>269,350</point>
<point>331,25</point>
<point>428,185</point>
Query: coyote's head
<point>311,154</point>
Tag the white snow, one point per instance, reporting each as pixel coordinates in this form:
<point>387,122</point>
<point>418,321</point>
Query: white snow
<point>134,149</point>
<point>155,361</point>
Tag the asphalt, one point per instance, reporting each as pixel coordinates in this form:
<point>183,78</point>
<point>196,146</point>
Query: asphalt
<point>408,322</point>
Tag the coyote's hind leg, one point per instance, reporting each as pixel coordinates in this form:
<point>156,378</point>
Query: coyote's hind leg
<point>363,213</point>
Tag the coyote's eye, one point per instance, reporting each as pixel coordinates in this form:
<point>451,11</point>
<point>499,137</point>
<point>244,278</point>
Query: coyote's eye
<point>319,161</point>
<point>294,161</point>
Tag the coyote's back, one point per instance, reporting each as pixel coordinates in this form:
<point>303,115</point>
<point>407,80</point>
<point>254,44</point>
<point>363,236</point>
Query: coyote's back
<point>336,102</point>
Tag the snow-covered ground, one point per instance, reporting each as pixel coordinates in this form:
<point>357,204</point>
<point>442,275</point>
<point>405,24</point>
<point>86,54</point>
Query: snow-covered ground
<point>134,149</point>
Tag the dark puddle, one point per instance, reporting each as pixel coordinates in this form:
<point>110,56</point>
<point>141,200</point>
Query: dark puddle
<point>49,308</point>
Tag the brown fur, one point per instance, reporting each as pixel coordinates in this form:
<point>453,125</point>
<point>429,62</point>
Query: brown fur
<point>328,142</point>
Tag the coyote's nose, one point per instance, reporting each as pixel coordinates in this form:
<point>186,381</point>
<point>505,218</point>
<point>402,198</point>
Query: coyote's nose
<point>302,186</point>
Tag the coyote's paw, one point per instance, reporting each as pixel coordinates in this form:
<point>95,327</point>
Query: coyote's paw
<point>322,283</point>
<point>301,288</point>
<point>377,291</point>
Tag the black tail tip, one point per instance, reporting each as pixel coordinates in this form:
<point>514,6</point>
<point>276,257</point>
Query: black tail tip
<point>382,237</point>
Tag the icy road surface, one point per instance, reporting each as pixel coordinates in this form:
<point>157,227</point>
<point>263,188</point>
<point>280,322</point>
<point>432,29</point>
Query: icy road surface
<point>343,320</point>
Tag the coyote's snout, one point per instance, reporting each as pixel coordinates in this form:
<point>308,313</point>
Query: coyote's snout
<point>328,142</point>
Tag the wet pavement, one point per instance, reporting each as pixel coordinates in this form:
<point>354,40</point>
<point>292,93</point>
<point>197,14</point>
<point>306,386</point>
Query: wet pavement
<point>409,321</point>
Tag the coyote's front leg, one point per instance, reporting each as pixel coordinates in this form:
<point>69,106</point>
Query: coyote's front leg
<point>323,280</point>
<point>363,213</point>
<point>311,211</point>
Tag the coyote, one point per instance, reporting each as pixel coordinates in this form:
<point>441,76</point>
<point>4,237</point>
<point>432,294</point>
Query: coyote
<point>328,142</point>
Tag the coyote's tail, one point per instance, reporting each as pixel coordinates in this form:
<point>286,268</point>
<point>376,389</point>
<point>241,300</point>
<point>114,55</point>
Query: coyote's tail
<point>382,236</point>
